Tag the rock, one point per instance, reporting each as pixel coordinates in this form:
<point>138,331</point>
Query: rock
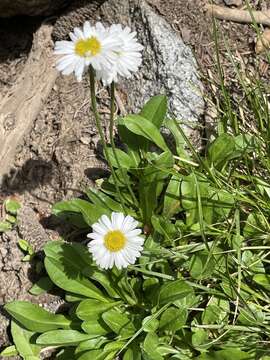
<point>233,2</point>
<point>169,66</point>
<point>30,7</point>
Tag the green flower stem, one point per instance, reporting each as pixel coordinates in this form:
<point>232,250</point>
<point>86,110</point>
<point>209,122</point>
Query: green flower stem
<point>102,137</point>
<point>113,144</point>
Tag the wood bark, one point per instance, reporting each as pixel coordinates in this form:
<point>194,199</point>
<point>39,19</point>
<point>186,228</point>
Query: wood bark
<point>21,105</point>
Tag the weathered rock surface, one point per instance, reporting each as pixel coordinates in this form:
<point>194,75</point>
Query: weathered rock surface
<point>168,64</point>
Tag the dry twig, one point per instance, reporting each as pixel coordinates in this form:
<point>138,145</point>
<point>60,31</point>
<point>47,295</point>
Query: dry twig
<point>240,16</point>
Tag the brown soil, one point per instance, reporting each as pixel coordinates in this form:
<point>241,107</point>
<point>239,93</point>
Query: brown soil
<point>58,158</point>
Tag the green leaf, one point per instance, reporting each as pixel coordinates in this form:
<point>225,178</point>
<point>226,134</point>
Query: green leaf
<point>88,308</point>
<point>150,346</point>
<point>172,197</point>
<point>218,205</point>
<point>90,212</point>
<point>62,338</point>
<point>24,245</point>
<point>221,149</point>
<point>253,262</point>
<point>119,323</point>
<point>95,326</point>
<point>215,204</point>
<point>12,206</point>
<point>77,257</point>
<point>174,290</point>
<point>27,258</point>
<point>179,141</point>
<point>189,196</point>
<point>24,341</point>
<point>150,326</point>
<point>143,127</point>
<point>43,285</point>
<point>216,312</point>
<point>91,344</point>
<point>12,219</point>
<point>263,280</point>
<point>67,277</point>
<point>123,159</point>
<point>255,225</point>
<point>35,318</point>
<point>104,279</point>
<point>199,339</point>
<point>9,351</point>
<point>163,226</point>
<point>5,226</point>
<point>251,315</point>
<point>151,182</point>
<point>133,353</point>
<point>227,354</point>
<point>103,200</point>
<point>201,265</point>
<point>155,110</point>
<point>173,319</point>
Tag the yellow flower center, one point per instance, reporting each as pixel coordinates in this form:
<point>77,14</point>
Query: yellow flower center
<point>88,47</point>
<point>115,240</point>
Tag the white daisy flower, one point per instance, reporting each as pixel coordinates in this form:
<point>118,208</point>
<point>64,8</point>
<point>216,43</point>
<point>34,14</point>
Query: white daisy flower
<point>116,241</point>
<point>93,45</point>
<point>129,57</point>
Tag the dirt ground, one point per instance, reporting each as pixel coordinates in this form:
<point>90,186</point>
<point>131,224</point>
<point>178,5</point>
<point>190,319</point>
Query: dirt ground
<point>58,158</point>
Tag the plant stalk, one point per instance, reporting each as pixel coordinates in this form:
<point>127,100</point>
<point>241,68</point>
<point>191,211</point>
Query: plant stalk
<point>112,109</point>
<point>102,137</point>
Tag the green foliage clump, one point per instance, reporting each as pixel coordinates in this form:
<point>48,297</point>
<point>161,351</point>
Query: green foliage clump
<point>200,289</point>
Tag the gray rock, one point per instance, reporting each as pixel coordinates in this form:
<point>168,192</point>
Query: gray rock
<point>168,66</point>
<point>233,2</point>
<point>30,7</point>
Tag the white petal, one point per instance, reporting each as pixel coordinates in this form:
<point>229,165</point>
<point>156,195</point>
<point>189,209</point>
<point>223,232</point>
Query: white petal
<point>78,32</point>
<point>100,27</point>
<point>95,236</point>
<point>87,30</point>
<point>106,261</point>
<point>73,37</point>
<point>129,224</point>
<point>111,261</point>
<point>133,233</point>
<point>99,242</point>
<point>117,220</point>
<point>79,69</point>
<point>136,241</point>
<point>99,229</point>
<point>120,261</point>
<point>128,256</point>
<point>105,221</point>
